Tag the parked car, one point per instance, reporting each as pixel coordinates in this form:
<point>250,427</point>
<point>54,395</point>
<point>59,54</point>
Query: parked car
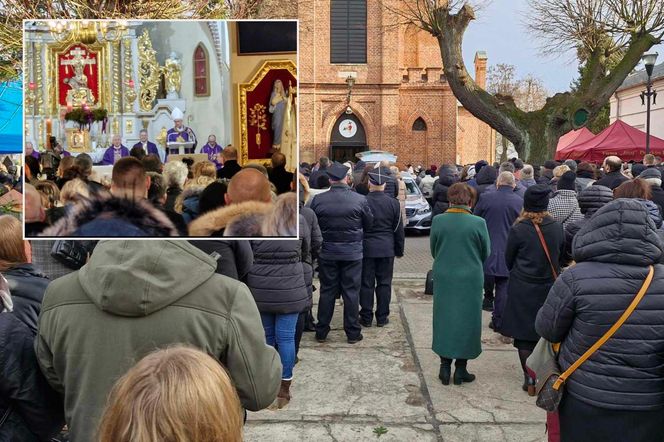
<point>418,210</point>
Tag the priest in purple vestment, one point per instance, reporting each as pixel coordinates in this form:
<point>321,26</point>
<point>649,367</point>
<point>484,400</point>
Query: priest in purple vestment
<point>30,150</point>
<point>115,152</point>
<point>180,133</point>
<point>212,150</point>
<point>148,146</point>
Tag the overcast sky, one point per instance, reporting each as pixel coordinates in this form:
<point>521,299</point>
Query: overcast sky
<point>499,31</point>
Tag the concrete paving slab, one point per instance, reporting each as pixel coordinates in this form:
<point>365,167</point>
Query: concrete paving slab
<point>493,433</point>
<point>335,432</point>
<point>495,396</point>
<point>352,383</point>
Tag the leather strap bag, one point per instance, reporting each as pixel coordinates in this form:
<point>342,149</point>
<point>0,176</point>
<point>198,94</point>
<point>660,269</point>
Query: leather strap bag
<point>550,387</point>
<point>546,250</point>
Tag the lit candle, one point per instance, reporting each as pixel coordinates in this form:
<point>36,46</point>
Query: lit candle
<point>48,126</point>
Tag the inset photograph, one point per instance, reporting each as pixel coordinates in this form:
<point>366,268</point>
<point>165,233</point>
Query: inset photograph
<point>160,128</point>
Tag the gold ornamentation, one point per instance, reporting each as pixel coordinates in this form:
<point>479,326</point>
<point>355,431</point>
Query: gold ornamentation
<point>40,141</point>
<point>79,93</point>
<point>130,93</point>
<point>116,126</point>
<point>115,104</point>
<point>148,71</point>
<point>78,141</point>
<point>39,81</point>
<point>129,126</point>
<point>161,139</point>
<point>258,118</point>
<point>243,88</point>
<point>172,71</point>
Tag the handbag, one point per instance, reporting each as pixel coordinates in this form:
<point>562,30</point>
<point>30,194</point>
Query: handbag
<point>428,285</point>
<point>549,387</point>
<point>70,253</point>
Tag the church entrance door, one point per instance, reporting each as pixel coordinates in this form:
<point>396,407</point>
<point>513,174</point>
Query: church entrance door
<point>348,138</point>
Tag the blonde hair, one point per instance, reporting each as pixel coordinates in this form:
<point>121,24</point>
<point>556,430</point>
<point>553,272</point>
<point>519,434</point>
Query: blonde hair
<point>49,192</point>
<point>282,220</point>
<point>178,394</point>
<point>74,190</point>
<point>535,217</point>
<point>205,168</point>
<point>558,171</point>
<point>305,186</point>
<point>200,182</point>
<point>12,246</point>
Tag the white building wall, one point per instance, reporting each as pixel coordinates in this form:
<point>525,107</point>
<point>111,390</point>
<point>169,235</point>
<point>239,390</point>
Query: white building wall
<point>626,106</point>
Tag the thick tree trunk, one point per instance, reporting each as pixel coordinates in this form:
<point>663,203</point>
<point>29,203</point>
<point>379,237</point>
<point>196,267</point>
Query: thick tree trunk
<point>534,134</point>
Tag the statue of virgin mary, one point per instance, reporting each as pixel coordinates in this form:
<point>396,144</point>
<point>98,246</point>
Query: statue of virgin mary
<point>278,101</point>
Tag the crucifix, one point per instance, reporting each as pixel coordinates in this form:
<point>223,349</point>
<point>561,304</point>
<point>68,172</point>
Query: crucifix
<point>78,59</point>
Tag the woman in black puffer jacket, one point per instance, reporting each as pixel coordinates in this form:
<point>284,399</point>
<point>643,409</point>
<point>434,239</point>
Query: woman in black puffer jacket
<point>618,393</point>
<point>447,176</point>
<point>591,200</point>
<point>277,282</point>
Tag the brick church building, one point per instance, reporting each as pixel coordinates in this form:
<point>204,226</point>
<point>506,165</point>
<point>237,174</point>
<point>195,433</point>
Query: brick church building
<point>399,100</point>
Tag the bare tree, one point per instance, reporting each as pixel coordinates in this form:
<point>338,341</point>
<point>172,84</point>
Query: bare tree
<point>599,30</point>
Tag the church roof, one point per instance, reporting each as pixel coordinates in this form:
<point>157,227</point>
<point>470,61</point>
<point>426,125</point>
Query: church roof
<point>640,77</point>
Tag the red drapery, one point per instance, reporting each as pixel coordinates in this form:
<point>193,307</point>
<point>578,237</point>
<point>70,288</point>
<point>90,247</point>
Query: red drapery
<point>67,71</point>
<point>261,95</point>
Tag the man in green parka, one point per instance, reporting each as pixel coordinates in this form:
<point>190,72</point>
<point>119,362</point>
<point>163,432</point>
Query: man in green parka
<point>459,245</point>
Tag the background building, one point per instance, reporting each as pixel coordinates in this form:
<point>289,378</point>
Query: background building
<point>400,99</point>
<point>626,103</point>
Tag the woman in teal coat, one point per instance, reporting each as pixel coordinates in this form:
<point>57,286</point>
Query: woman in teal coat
<point>459,245</point>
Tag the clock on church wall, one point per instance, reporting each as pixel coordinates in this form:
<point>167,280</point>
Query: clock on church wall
<point>347,128</point>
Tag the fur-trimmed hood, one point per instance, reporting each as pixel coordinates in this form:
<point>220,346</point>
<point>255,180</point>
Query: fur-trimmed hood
<point>119,216</point>
<point>216,220</point>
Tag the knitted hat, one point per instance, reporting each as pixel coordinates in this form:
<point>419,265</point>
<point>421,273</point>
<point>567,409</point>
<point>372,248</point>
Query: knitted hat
<point>567,181</point>
<point>637,169</point>
<point>650,172</point>
<point>212,197</point>
<point>536,198</point>
<point>571,164</point>
<point>550,164</point>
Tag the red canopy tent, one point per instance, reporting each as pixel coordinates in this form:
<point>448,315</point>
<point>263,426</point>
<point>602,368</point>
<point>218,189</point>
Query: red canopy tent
<point>572,138</point>
<point>618,139</point>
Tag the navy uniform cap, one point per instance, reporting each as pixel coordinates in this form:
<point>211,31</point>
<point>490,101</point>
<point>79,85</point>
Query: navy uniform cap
<point>379,176</point>
<point>337,171</point>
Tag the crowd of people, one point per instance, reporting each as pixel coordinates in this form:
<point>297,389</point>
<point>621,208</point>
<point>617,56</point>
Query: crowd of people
<point>145,197</point>
<point>11,187</point>
<point>555,252</point>
<point>562,251</point>
<point>87,327</point>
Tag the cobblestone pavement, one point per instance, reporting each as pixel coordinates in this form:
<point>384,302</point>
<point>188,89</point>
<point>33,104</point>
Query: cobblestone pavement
<point>388,384</point>
<point>417,258</point>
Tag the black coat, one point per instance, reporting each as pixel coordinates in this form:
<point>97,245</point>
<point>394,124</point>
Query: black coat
<point>276,278</point>
<point>313,178</point>
<point>486,179</point>
<point>531,276</point>
<point>27,286</point>
<point>234,258</point>
<point>611,180</point>
<point>446,178</point>
<point>658,197</point>
<point>231,167</point>
<point>591,200</point>
<point>613,251</point>
<point>35,410</point>
<point>282,179</point>
<point>385,239</point>
<point>343,215</point>
<point>172,194</point>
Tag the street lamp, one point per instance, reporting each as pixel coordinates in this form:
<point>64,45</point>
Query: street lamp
<point>649,61</point>
<point>350,81</point>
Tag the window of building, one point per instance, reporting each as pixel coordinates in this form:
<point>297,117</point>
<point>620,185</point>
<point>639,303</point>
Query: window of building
<point>201,72</point>
<point>419,124</point>
<point>348,31</point>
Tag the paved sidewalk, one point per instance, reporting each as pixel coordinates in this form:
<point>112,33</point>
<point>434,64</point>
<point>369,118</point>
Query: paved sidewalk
<point>388,383</point>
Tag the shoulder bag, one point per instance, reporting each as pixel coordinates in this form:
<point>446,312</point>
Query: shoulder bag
<point>544,360</point>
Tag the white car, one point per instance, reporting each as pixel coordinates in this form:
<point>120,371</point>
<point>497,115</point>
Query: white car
<point>418,210</point>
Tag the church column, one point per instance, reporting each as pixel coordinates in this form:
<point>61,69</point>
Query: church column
<point>116,87</point>
<point>38,57</point>
<point>129,88</point>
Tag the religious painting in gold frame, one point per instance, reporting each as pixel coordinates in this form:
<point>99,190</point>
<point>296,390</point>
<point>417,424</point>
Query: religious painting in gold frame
<point>245,88</point>
<point>53,82</point>
<point>78,141</point>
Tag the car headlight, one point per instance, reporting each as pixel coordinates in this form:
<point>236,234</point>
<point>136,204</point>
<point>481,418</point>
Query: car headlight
<point>424,210</point>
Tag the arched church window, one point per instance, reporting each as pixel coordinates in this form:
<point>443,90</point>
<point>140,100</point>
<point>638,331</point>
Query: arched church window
<point>419,124</point>
<point>201,72</point>
<point>348,31</point>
